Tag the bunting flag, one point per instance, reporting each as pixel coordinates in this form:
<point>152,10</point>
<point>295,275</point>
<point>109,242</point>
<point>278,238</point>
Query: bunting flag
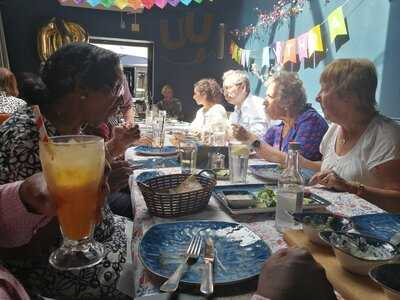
<point>315,40</point>
<point>148,3</point>
<point>279,51</point>
<point>265,57</point>
<point>135,4</point>
<point>94,2</point>
<point>174,2</point>
<point>186,2</point>
<point>160,3</point>
<point>302,46</point>
<point>121,4</point>
<point>336,23</point>
<point>79,1</point>
<point>107,3</point>
<point>245,59</point>
<point>290,51</point>
<point>198,1</point>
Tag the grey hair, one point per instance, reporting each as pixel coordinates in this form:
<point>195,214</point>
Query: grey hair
<point>291,92</point>
<point>237,77</point>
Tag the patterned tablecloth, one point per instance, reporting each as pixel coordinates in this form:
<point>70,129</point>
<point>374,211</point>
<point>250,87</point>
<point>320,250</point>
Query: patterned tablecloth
<point>341,203</point>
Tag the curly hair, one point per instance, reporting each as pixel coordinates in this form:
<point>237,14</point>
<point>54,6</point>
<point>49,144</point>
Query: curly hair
<point>77,65</point>
<point>352,77</point>
<point>290,91</point>
<point>210,88</point>
<point>8,83</point>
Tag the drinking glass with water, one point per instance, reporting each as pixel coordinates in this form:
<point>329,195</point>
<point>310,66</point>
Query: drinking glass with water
<point>238,161</point>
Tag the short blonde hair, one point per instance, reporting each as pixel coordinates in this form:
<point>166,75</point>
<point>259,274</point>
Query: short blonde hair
<point>237,77</point>
<point>8,82</point>
<point>290,90</point>
<point>352,77</point>
<point>210,88</point>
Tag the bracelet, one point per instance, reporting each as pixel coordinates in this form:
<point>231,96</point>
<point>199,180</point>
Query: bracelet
<point>360,189</point>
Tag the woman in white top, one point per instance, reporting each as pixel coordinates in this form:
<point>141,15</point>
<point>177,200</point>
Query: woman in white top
<point>207,93</point>
<point>361,149</point>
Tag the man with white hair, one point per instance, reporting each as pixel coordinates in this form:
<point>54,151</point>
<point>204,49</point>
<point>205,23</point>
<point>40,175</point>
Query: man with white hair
<point>249,109</point>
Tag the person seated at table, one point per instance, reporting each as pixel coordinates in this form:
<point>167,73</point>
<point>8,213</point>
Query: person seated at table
<point>82,84</point>
<point>207,93</point>
<point>286,100</point>
<point>9,102</point>
<point>249,109</point>
<point>361,149</point>
<point>169,103</point>
<point>293,274</point>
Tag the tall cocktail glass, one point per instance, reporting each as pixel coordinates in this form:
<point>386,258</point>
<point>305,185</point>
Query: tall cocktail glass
<point>73,167</point>
<point>238,161</point>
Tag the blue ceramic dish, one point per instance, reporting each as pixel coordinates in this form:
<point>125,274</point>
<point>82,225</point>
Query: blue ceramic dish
<point>271,172</point>
<point>156,151</point>
<point>153,163</point>
<point>387,276</point>
<point>315,222</point>
<point>358,253</point>
<point>381,226</point>
<point>148,175</point>
<point>240,253</point>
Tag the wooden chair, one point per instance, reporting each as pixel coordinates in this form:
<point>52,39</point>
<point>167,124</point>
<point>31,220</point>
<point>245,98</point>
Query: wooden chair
<point>4,117</point>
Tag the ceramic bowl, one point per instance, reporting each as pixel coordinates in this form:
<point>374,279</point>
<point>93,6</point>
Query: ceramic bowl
<point>358,253</point>
<point>387,276</point>
<point>314,223</point>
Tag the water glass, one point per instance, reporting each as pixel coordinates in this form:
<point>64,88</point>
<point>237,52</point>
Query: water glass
<point>238,161</point>
<point>158,127</point>
<point>218,136</point>
<point>187,157</point>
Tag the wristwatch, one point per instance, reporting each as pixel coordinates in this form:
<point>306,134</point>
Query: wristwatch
<point>256,144</point>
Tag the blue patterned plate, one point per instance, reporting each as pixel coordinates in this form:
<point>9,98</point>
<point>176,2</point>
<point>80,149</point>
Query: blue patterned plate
<point>382,226</point>
<point>240,253</point>
<point>271,172</point>
<point>155,162</point>
<point>148,175</point>
<point>156,151</point>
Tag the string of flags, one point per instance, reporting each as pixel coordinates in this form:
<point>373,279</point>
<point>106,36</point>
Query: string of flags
<point>298,49</point>
<point>135,4</point>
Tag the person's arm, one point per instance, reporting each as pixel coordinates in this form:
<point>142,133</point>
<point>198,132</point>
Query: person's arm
<point>10,288</point>
<point>122,138</point>
<point>25,207</point>
<point>386,196</point>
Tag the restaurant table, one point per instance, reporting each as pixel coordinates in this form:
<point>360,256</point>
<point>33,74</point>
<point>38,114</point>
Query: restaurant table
<point>262,224</point>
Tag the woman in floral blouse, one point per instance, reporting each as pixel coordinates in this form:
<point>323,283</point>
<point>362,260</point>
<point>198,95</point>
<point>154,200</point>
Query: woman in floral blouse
<point>9,92</point>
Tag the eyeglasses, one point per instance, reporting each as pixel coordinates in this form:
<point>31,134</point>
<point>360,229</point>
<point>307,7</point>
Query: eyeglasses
<point>229,87</point>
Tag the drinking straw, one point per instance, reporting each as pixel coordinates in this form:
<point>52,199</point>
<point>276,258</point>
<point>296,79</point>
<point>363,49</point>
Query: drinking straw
<point>40,124</point>
<point>162,131</point>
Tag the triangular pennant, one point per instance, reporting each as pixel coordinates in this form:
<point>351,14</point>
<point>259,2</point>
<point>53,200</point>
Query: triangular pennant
<point>279,46</point>
<point>135,4</point>
<point>186,2</point>
<point>93,2</point>
<point>148,3</point>
<point>79,1</point>
<point>198,1</point>
<point>160,3</point>
<point>265,57</point>
<point>315,40</point>
<point>174,2</point>
<point>337,24</point>
<point>233,50</point>
<point>290,51</point>
<point>302,46</point>
<point>121,4</point>
<point>107,3</point>
<point>239,55</point>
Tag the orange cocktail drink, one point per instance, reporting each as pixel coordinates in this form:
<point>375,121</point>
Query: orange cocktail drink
<point>73,167</point>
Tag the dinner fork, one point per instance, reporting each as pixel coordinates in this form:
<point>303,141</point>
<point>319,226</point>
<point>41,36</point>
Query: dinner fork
<point>192,254</point>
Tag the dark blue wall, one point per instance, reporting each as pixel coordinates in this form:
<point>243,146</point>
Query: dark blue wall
<point>374,27</point>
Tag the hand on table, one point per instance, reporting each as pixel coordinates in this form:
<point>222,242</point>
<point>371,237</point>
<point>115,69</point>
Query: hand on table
<point>291,274</point>
<point>331,180</point>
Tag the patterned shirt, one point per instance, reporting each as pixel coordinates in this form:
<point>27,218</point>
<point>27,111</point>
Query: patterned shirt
<point>308,130</point>
<point>9,104</point>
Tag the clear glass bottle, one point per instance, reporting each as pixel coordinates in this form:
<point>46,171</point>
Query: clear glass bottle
<point>290,192</point>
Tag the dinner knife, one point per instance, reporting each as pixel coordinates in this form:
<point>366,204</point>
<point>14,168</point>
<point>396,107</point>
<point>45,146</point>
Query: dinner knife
<point>207,286</point>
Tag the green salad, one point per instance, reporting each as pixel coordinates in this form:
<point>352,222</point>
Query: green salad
<point>267,198</point>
